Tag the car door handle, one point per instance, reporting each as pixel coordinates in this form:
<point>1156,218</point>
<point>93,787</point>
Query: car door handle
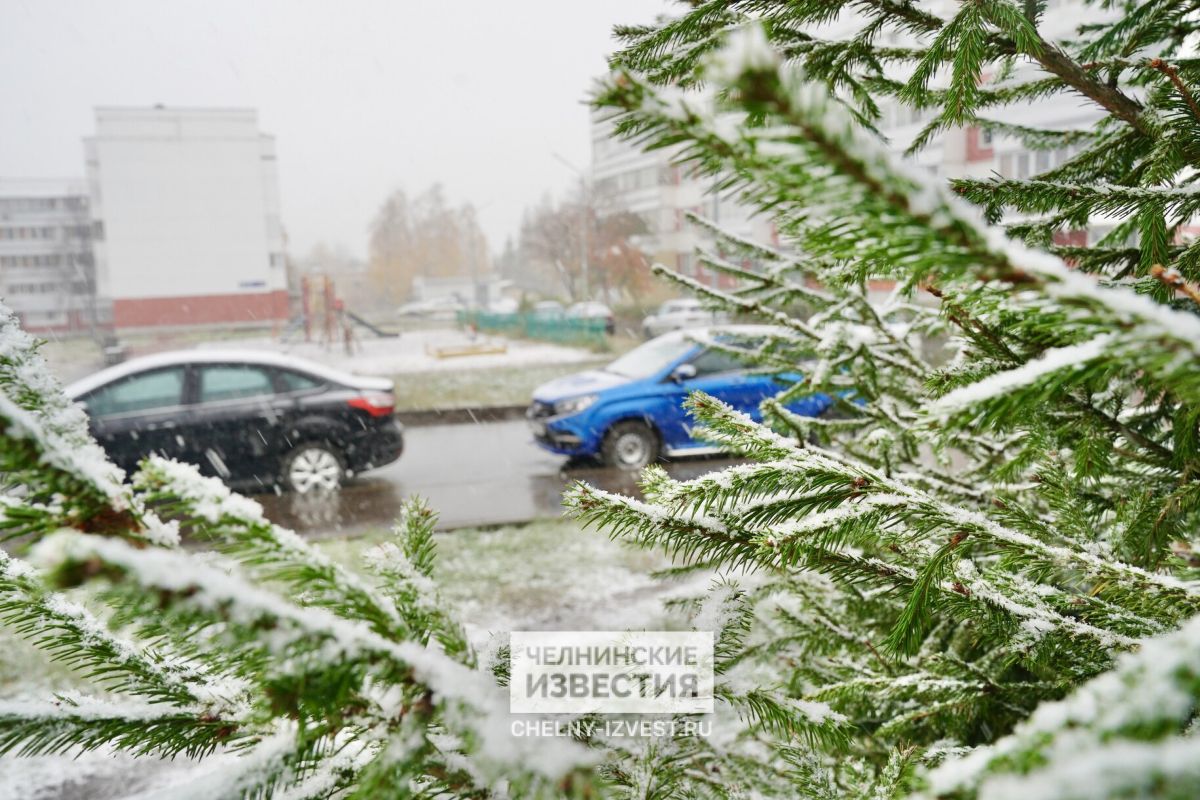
<point>166,424</point>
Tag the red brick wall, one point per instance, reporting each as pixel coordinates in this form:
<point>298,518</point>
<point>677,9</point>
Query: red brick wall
<point>976,149</point>
<point>200,310</point>
<point>1076,238</point>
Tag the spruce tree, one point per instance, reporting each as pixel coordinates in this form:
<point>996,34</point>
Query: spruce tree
<point>977,578</point>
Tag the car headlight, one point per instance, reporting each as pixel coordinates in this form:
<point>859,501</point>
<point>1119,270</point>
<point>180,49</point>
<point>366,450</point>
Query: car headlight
<point>573,405</point>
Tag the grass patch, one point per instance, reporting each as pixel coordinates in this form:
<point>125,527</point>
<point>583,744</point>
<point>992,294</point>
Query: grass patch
<point>471,388</point>
<point>549,574</point>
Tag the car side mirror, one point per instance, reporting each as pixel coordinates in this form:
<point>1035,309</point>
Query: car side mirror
<point>684,372</point>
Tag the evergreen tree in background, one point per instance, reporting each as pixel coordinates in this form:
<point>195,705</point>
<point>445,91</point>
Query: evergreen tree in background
<point>979,578</point>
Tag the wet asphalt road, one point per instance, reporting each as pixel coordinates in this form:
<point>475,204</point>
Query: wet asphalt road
<point>471,474</point>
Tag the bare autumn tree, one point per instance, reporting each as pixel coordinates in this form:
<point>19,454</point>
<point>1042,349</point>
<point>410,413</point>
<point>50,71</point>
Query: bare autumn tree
<point>553,238</point>
<point>423,237</point>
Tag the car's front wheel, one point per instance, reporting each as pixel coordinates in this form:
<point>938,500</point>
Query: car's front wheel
<point>630,445</point>
<point>313,467</point>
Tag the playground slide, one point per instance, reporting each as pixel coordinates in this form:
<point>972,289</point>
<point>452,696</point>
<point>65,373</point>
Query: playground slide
<point>372,328</point>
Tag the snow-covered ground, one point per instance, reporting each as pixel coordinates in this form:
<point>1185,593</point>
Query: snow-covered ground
<point>412,351</point>
<point>415,351</point>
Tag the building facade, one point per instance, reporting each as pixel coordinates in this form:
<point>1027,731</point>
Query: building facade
<point>662,193</point>
<point>47,271</point>
<point>185,218</point>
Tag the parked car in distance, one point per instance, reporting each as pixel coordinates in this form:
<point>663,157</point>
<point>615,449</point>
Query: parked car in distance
<point>678,315</point>
<point>255,418</point>
<point>504,305</point>
<point>590,309</point>
<point>631,412</point>
<point>443,308</point>
<point>547,309</point>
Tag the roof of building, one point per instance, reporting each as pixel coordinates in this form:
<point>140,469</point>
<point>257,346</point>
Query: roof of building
<point>42,187</point>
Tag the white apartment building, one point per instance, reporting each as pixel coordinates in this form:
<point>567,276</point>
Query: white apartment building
<point>46,267</point>
<point>186,221</point>
<point>649,184</point>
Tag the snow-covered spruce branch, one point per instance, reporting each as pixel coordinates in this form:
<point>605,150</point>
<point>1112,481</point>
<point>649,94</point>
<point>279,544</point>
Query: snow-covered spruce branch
<point>46,449</point>
<point>406,568</point>
<point>405,607</point>
<point>927,230</point>
<point>1124,733</point>
<point>745,305</point>
<point>237,526</point>
<point>317,640</point>
<point>724,537</point>
<point>1039,196</point>
<point>725,424</point>
<point>31,728</point>
<point>1045,515</point>
<point>765,285</point>
<point>68,632</point>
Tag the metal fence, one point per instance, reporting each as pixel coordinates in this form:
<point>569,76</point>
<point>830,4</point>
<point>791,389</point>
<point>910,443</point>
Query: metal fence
<point>560,330</point>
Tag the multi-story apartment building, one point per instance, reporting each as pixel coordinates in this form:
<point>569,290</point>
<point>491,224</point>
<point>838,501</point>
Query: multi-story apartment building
<point>46,266</point>
<point>186,221</point>
<point>651,185</point>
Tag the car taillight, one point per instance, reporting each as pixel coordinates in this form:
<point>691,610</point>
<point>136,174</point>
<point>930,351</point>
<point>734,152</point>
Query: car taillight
<point>377,404</point>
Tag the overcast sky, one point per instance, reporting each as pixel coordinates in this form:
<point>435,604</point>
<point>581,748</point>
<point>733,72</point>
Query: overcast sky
<point>363,96</point>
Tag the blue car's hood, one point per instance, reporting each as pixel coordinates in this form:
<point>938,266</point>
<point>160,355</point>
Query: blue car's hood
<point>594,380</point>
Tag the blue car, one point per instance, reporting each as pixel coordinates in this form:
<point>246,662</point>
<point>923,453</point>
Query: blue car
<point>631,412</point>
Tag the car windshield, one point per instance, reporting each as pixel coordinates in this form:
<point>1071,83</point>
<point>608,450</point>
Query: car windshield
<point>644,361</point>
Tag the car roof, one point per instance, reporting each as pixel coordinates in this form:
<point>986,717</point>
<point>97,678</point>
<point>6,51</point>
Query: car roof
<point>266,358</point>
<point>712,331</point>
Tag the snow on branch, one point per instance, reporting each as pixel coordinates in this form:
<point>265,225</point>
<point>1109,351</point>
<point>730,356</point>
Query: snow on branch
<point>70,633</point>
<point>227,595</point>
<point>69,721</point>
<point>39,425</point>
<point>1121,734</point>
<point>1000,383</point>
<point>266,550</point>
<point>812,155</point>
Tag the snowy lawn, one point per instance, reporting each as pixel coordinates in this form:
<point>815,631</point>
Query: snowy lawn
<point>548,574</point>
<point>469,388</point>
<point>416,351</point>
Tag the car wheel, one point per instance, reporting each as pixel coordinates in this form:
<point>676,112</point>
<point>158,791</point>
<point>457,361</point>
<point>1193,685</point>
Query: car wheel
<point>630,445</point>
<point>313,467</point>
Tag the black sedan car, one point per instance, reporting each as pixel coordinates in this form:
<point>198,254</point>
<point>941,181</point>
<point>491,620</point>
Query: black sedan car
<point>250,418</point>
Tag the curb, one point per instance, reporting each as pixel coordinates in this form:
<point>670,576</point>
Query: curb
<point>460,416</point>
